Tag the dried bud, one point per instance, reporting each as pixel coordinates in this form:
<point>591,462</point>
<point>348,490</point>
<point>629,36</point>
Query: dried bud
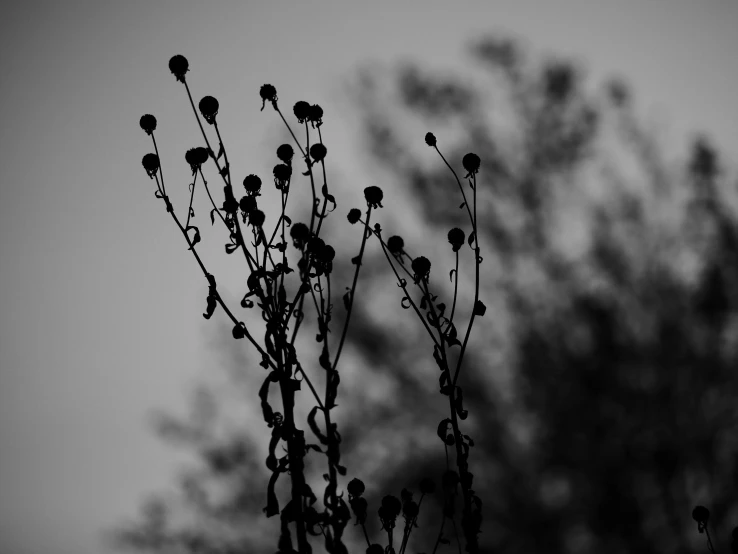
<point>282,174</point>
<point>267,92</point>
<point>179,65</point>
<point>256,218</point>
<point>430,139</point>
<point>201,154</point>
<point>315,245</point>
<point>427,486</point>
<point>355,487</point>
<point>701,514</point>
<point>318,151</point>
<point>148,123</point>
<point>354,215</point>
<point>373,196</point>
<point>391,505</point>
<point>410,509</point>
<point>327,254</point>
<point>316,115</point>
<point>285,153</point>
<point>395,244</point>
<point>196,157</point>
<point>151,164</point>
<point>252,184</point>
<point>421,266</point>
<point>300,234</point>
<point>301,110</point>
<point>471,163</point>
<point>247,204</point>
<point>209,108</point>
<point>456,238</point>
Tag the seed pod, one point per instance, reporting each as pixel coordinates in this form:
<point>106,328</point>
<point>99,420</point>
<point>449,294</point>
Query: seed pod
<point>256,218</point>
<point>355,487</point>
<point>285,153</point>
<point>300,234</point>
<point>318,151</point>
<point>427,486</point>
<point>456,238</point>
<point>148,123</point>
<point>301,110</point>
<point>151,164</point>
<point>701,514</point>
<point>209,108</point>
<point>373,196</point>
<point>395,244</point>
<point>421,266</point>
<point>267,93</point>
<point>252,184</point>
<point>354,215</point>
<point>316,115</point>
<point>471,163</point>
<point>179,65</point>
<point>391,505</point>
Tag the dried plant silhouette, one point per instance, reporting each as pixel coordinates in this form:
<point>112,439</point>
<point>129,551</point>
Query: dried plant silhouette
<point>617,412</point>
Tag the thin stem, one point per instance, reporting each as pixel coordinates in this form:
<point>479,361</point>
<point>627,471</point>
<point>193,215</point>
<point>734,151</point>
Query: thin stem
<point>476,287</point>
<point>353,290</point>
<point>218,298</point>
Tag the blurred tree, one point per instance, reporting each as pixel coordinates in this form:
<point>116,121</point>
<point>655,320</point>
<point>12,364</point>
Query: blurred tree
<point>602,392</point>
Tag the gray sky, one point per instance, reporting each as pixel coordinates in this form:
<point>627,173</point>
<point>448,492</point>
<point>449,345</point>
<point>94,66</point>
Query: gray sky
<point>100,302</point>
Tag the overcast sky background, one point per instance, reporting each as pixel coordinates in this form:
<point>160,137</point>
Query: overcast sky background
<point>100,302</point>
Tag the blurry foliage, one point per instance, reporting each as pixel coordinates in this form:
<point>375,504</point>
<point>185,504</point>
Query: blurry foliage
<point>617,321</point>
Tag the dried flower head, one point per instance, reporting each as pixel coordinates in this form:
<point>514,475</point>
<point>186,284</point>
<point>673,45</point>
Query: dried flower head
<point>247,204</point>
<point>395,244</point>
<point>256,218</point>
<point>209,108</point>
<point>359,506</point>
<point>285,153</point>
<point>430,139</point>
<point>354,215</point>
<point>318,151</point>
<point>701,514</point>
<point>316,115</point>
<point>355,487</point>
<point>282,174</point>
<point>151,164</point>
<point>410,509</point>
<point>179,65</point>
<point>148,123</point>
<point>456,238</point>
<point>427,486</point>
<point>373,196</point>
<point>421,266</point>
<point>301,109</point>
<point>252,184</point>
<point>392,506</point>
<point>315,244</point>
<point>268,92</point>
<point>471,163</point>
<point>300,234</point>
<point>196,157</point>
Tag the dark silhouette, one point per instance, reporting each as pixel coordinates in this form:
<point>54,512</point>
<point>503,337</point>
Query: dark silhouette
<point>610,323</point>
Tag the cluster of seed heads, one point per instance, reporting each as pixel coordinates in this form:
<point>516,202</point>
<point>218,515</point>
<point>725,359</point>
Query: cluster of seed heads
<point>322,254</point>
